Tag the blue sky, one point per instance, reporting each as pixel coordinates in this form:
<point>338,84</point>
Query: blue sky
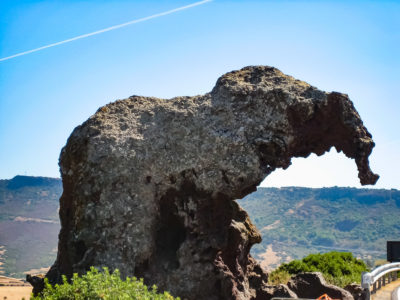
<point>347,46</point>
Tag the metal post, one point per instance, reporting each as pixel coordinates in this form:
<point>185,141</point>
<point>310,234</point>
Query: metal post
<point>374,288</point>
<point>367,294</point>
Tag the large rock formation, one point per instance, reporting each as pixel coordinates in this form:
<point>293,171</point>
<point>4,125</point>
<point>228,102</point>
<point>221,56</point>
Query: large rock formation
<point>149,184</point>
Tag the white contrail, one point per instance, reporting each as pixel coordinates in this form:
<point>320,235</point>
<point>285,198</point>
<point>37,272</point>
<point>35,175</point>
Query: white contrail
<point>108,29</point>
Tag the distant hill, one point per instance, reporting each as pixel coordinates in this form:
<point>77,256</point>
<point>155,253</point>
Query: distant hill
<point>20,181</point>
<point>297,221</point>
<point>29,224</point>
<point>293,221</point>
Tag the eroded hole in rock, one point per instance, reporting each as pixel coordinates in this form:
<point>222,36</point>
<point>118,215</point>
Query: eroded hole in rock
<point>315,171</point>
<point>148,179</point>
<point>171,234</point>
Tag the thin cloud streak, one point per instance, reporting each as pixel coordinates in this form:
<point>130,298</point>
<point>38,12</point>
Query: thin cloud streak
<point>108,29</point>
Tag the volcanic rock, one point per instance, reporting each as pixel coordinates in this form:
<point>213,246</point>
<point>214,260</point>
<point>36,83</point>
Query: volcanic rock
<point>149,184</point>
<point>312,285</point>
<point>268,292</point>
<point>356,291</point>
<point>37,281</point>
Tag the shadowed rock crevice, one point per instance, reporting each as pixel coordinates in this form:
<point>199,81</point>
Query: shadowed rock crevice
<point>149,184</point>
<point>170,235</point>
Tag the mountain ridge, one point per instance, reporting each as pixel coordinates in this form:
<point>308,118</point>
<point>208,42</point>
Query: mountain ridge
<point>307,220</point>
<point>29,223</point>
<point>37,224</point>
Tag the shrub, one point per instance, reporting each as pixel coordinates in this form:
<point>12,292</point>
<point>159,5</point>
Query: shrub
<point>279,276</point>
<point>101,285</point>
<point>338,268</point>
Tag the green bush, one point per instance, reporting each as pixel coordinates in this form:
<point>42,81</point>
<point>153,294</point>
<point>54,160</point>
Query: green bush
<point>338,268</point>
<point>278,277</point>
<point>101,285</point>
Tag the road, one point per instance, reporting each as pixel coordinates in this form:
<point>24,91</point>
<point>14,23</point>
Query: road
<point>390,291</point>
<point>396,294</point>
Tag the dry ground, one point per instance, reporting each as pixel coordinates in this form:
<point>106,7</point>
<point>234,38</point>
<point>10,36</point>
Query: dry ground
<point>15,292</point>
<point>14,289</point>
<point>269,259</point>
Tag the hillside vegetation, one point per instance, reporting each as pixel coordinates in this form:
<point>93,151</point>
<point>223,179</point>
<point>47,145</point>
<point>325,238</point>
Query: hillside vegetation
<point>295,221</point>
<point>29,224</point>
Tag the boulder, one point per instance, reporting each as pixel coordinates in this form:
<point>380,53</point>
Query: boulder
<point>312,285</point>
<point>269,292</point>
<point>357,291</point>
<point>149,184</point>
<point>37,281</point>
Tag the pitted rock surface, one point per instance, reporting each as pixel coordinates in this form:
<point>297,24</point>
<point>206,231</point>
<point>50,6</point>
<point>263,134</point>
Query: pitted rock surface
<point>149,184</point>
<point>356,291</point>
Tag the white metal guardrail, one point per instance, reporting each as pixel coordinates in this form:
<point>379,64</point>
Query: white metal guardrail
<point>379,277</point>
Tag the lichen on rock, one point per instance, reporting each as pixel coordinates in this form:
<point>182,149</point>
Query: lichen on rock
<point>149,184</point>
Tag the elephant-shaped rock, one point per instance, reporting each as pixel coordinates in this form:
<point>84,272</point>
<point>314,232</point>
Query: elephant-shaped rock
<point>150,184</point>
